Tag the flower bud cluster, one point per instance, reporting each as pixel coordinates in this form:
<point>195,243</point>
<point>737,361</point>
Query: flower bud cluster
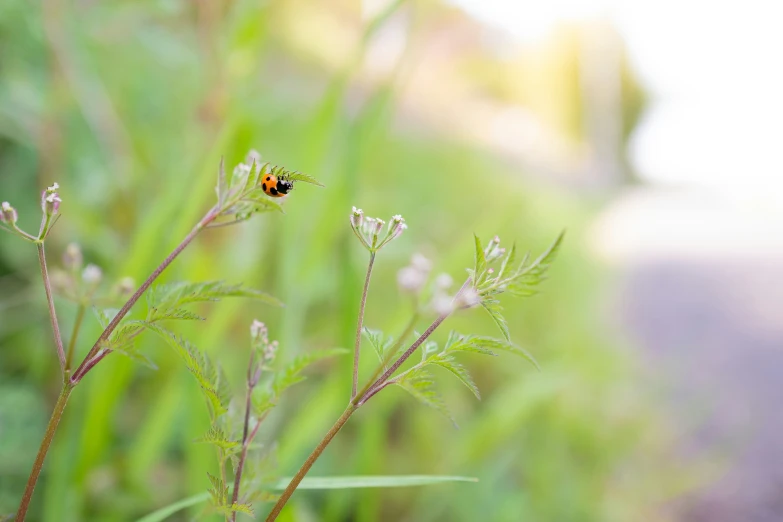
<point>370,231</point>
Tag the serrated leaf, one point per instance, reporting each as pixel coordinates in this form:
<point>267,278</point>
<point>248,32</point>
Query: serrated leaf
<point>291,373</point>
<point>252,178</point>
<point>295,176</point>
<point>105,315</point>
<point>175,314</point>
<point>199,365</point>
<point>420,385</point>
<point>260,202</point>
<point>219,491</point>
<point>523,282</point>
<point>380,342</point>
<point>136,356</point>
<point>459,371</point>
<point>222,184</point>
<point>480,261</point>
<point>508,262</point>
<point>246,509</point>
<point>174,295</point>
<point>217,437</point>
<point>494,309</point>
<point>461,343</point>
<point>490,343</point>
<point>263,400</point>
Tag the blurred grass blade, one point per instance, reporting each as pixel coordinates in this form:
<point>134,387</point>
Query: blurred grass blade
<point>348,482</point>
<point>373,481</point>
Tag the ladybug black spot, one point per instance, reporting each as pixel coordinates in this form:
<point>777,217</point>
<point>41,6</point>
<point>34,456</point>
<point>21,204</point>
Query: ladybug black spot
<point>268,178</point>
<point>273,191</point>
<point>263,186</point>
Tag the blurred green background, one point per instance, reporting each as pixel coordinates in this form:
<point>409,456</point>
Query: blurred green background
<point>130,105</point>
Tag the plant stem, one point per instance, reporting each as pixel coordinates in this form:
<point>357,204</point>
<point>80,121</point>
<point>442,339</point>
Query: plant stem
<point>359,326</point>
<point>74,335</point>
<point>289,490</point>
<point>393,350</point>
<point>51,428</point>
<point>50,301</point>
<point>84,367</point>
<point>246,440</point>
<point>404,357</point>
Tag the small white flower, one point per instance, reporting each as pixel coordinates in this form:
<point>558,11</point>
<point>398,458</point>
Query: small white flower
<point>410,279</point>
<point>92,274</point>
<point>72,257</point>
<point>443,281</point>
<point>421,263</point>
<point>53,188</point>
<point>442,304</point>
<point>257,329</point>
<point>126,285</point>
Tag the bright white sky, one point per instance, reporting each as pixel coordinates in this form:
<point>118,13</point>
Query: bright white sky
<point>714,68</point>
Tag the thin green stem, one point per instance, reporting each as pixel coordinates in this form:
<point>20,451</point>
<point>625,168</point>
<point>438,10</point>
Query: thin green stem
<point>58,342</point>
<point>360,324</point>
<point>51,428</point>
<point>74,335</point>
<point>289,490</point>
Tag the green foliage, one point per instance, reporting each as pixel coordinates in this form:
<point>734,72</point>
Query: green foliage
<point>217,437</point>
<point>165,300</point>
<point>380,343</point>
<point>420,384</point>
<point>210,377</point>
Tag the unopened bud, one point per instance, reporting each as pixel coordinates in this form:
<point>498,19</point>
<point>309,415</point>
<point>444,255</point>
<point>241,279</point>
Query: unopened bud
<point>126,286</point>
<point>92,275</point>
<point>443,281</point>
<point>8,213</point>
<point>50,201</point>
<point>257,330</point>
<point>357,217</point>
<point>410,279</point>
<point>72,257</point>
<point>396,227</point>
<point>270,351</point>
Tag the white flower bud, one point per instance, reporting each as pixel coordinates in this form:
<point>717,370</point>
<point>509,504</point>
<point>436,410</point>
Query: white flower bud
<point>411,280</point>
<point>92,274</point>
<point>8,213</point>
<point>72,257</point>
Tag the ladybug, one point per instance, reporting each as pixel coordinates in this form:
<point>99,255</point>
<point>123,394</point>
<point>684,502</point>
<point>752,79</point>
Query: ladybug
<point>276,187</point>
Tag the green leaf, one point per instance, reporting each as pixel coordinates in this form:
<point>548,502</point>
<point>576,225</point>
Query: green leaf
<point>219,491</point>
<point>239,508</point>
<point>461,343</point>
<point>379,342</point>
<point>420,385</point>
<point>295,176</point>
<point>508,262</point>
<point>136,356</point>
<point>175,314</point>
<point>315,483</point>
<point>489,343</point>
<point>222,184</point>
<point>217,437</point>
<point>260,202</point>
<point>480,262</point>
<point>198,364</point>
<point>253,177</point>
<point>105,315</point>
<point>448,362</point>
<point>494,309</point>
<point>291,373</point>
<point>263,400</point>
<point>174,295</point>
<point>526,278</point>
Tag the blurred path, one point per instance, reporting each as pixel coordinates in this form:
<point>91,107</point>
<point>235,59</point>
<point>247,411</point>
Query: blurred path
<point>709,315</point>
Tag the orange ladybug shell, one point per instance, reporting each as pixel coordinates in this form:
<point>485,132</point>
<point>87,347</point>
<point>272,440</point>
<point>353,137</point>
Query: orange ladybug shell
<point>274,187</point>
